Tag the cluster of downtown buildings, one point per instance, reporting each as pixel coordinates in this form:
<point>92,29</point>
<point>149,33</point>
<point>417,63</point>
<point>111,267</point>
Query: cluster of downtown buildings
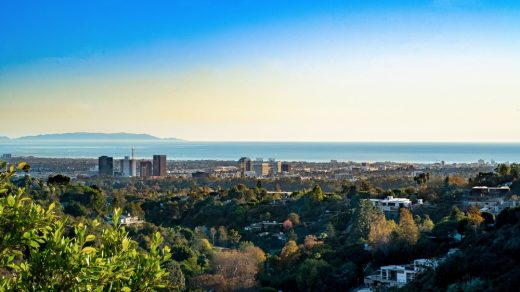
<point>155,168</point>
<point>260,168</point>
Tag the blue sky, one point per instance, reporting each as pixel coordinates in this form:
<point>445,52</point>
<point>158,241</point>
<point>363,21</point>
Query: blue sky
<point>214,60</point>
<point>32,30</point>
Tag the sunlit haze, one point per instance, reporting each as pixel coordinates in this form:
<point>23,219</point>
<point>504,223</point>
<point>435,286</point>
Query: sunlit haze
<point>263,70</point>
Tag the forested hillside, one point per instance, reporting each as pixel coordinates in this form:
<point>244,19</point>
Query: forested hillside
<point>58,235</point>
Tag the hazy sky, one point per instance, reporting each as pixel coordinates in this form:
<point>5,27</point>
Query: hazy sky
<point>263,70</point>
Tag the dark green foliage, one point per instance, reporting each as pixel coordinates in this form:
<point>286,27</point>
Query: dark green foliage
<point>487,261</point>
<point>75,209</point>
<point>91,198</point>
<point>508,216</point>
<point>175,277</point>
<point>58,180</point>
<point>422,179</point>
<point>181,253</point>
<point>311,275</point>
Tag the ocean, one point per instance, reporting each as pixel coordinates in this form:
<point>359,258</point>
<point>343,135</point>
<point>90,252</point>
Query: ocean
<point>287,151</point>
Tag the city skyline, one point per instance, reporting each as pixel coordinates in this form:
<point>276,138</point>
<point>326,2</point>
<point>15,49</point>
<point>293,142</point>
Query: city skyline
<point>244,71</point>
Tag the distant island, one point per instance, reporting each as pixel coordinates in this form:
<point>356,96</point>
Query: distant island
<point>94,136</point>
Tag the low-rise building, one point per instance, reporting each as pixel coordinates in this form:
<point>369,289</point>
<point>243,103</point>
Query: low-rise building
<point>345,176</point>
<point>391,204</point>
<point>263,226</point>
<point>126,220</point>
<point>399,275</point>
<point>484,191</point>
<point>493,205</point>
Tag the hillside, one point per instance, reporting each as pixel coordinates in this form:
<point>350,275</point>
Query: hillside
<point>92,136</point>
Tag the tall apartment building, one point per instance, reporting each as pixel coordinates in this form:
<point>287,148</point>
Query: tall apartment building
<point>105,166</point>
<point>276,166</point>
<point>145,168</point>
<point>128,167</point>
<point>245,164</point>
<point>159,165</point>
<point>261,169</point>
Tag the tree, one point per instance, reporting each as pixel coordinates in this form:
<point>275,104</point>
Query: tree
<point>213,232</point>
<point>75,209</point>
<point>294,218</point>
<point>380,232</point>
<point>311,241</point>
<point>181,252</point>
<point>422,179</point>
<point>311,275</point>
<point>317,194</point>
<point>289,250</point>
<point>503,169</point>
<point>330,230</point>
<point>134,209</point>
<point>222,235</point>
<point>233,270</point>
<point>362,218</point>
<point>37,253</point>
<point>202,262</point>
<point>474,218</point>
<point>234,236</point>
<point>426,224</point>
<point>287,225</point>
<point>256,253</point>
<point>455,180</point>
<point>407,231</point>
<point>175,277</point>
<point>58,180</point>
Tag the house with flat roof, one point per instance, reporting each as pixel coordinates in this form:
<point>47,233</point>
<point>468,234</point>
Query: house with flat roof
<point>399,275</point>
<point>493,191</point>
<point>391,204</point>
<point>126,220</point>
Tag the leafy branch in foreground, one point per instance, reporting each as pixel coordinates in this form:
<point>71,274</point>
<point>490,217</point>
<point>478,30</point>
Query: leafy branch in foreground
<point>36,252</point>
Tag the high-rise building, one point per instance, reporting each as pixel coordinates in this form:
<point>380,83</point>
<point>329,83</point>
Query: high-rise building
<point>6,157</point>
<point>159,165</point>
<point>128,167</point>
<point>124,166</point>
<point>145,168</point>
<point>276,166</point>
<point>286,167</point>
<point>261,169</point>
<point>245,164</point>
<point>105,166</point>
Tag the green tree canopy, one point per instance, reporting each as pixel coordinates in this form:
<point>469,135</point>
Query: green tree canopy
<point>37,253</point>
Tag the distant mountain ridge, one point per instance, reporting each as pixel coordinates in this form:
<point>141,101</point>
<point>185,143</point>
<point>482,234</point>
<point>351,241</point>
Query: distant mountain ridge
<point>94,136</point>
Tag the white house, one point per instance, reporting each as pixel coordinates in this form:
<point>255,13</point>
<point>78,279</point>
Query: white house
<point>390,203</point>
<point>126,220</point>
<point>399,275</point>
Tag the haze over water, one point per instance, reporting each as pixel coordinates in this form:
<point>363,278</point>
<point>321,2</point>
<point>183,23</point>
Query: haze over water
<point>290,151</point>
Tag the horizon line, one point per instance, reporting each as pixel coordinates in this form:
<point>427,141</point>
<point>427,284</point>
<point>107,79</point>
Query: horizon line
<point>159,138</point>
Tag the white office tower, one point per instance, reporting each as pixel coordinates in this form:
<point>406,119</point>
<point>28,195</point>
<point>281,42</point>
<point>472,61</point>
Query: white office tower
<point>128,166</point>
<point>133,167</point>
<point>125,166</point>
